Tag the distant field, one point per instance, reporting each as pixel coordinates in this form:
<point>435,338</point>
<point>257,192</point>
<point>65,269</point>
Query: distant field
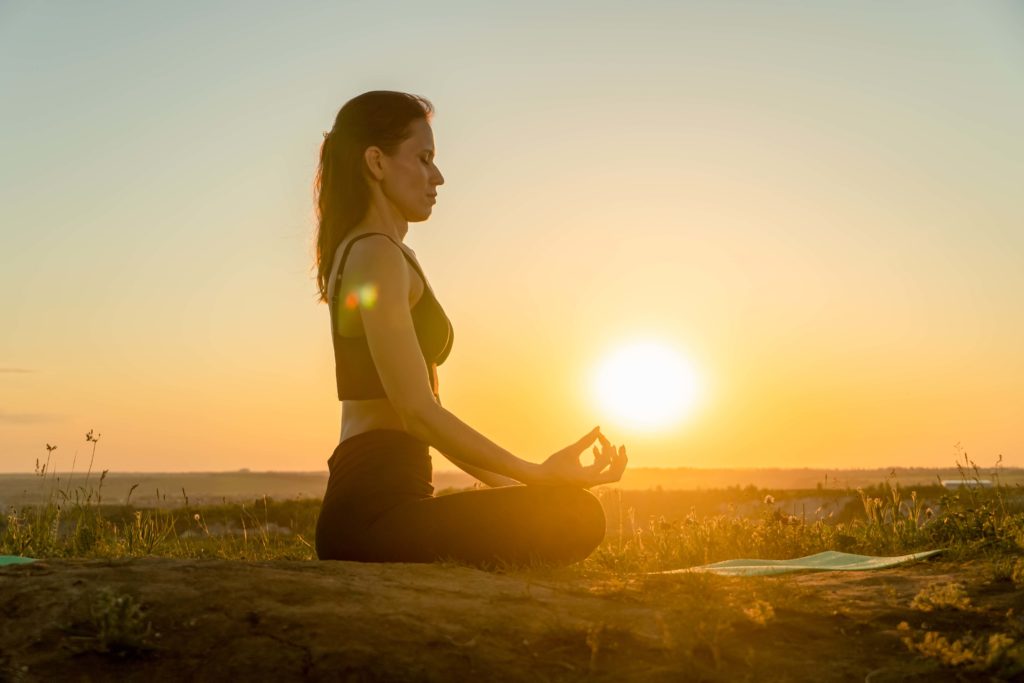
<point>170,489</point>
<point>201,488</point>
<point>692,478</point>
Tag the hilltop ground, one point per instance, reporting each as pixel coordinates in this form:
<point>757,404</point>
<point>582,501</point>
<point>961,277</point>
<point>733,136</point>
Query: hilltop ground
<point>158,619</point>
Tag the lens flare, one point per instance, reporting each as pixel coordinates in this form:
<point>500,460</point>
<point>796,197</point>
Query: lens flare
<point>365,297</point>
<point>368,295</point>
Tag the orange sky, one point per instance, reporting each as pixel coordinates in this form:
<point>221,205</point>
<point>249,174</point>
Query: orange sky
<point>814,206</point>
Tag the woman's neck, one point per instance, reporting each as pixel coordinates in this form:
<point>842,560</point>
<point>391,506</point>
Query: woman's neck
<point>382,216</point>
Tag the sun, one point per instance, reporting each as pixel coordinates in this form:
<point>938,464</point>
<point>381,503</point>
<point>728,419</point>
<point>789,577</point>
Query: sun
<point>646,385</point>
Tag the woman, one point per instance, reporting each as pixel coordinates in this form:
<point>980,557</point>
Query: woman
<point>376,175</point>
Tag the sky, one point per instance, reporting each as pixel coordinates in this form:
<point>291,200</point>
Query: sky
<point>814,205</point>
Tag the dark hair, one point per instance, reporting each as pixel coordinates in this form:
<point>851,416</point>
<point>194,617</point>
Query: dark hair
<point>378,118</point>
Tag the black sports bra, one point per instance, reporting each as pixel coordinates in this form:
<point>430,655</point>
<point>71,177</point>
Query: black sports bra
<point>354,370</point>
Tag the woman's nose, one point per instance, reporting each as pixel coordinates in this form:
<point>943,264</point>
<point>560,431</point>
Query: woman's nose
<point>438,178</point>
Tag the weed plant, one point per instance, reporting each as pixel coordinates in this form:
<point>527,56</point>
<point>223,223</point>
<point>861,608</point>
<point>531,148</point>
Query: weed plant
<point>73,522</point>
<point>972,521</point>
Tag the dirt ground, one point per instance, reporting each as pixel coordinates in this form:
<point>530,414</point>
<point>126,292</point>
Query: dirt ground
<point>157,619</point>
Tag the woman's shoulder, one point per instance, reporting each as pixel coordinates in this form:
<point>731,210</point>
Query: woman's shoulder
<point>359,253</point>
<point>368,249</point>
<point>375,245</point>
<point>376,260</point>
<point>354,256</point>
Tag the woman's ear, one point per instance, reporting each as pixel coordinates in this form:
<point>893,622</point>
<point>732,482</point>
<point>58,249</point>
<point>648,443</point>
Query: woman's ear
<point>374,157</point>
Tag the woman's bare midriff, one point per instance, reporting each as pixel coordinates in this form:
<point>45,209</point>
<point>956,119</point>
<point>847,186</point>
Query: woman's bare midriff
<point>363,415</point>
<point>359,416</point>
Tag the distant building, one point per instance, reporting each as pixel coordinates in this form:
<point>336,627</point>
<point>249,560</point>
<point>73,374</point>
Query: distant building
<point>967,483</point>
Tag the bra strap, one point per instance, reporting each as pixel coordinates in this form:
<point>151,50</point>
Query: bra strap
<point>344,256</point>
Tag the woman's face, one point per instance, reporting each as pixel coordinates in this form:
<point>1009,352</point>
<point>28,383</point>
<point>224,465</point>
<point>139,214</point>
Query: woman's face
<point>410,176</point>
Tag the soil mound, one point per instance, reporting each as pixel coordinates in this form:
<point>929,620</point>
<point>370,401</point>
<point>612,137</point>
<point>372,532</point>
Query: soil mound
<point>155,619</point>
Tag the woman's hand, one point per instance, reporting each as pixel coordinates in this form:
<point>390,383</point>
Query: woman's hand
<point>564,467</point>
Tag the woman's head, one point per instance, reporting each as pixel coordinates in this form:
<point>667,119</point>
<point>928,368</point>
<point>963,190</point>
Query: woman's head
<point>382,143</point>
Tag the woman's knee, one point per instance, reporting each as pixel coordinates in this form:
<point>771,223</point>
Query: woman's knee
<point>594,514</point>
<point>587,515</point>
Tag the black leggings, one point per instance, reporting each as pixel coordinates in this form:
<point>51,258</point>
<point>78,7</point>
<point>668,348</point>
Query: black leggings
<point>380,507</point>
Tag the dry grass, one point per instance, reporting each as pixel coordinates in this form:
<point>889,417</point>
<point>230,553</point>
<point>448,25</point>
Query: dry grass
<point>704,624</point>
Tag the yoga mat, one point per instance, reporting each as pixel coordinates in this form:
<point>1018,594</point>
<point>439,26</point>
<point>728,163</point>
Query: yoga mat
<point>828,561</point>
<point>14,559</point>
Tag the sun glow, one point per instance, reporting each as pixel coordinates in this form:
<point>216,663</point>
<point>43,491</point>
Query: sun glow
<point>646,385</point>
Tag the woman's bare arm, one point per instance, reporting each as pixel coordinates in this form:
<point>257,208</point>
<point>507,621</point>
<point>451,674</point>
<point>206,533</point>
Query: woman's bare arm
<point>462,444</point>
<point>491,479</point>
<point>391,336</point>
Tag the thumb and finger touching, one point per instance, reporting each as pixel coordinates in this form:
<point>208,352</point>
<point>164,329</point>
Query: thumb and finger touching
<point>605,457</point>
<point>601,460</point>
<point>614,473</point>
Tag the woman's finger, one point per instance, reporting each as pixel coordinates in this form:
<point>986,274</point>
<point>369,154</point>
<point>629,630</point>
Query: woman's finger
<point>619,465</point>
<point>596,467</point>
<point>586,440</point>
<point>609,476</point>
<point>614,472</point>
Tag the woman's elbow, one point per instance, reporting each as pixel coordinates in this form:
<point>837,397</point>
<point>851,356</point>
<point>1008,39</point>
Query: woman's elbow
<point>418,419</point>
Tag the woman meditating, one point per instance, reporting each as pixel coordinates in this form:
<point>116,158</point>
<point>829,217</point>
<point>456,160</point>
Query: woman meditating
<point>376,175</point>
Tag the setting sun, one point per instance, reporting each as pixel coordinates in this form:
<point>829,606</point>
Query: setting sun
<point>646,385</point>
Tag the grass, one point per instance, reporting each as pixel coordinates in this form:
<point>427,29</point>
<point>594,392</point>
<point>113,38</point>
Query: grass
<point>117,625</point>
<point>73,522</point>
<point>886,519</point>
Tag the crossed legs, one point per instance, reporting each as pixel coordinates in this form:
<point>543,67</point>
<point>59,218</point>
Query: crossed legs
<point>514,524</point>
